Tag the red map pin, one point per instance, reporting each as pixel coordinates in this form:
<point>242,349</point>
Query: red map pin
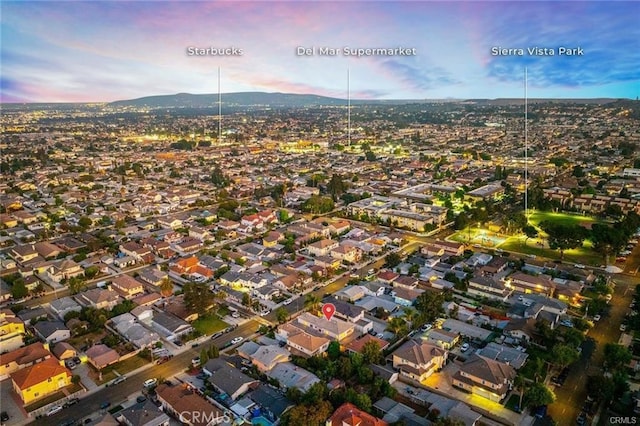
<point>328,309</point>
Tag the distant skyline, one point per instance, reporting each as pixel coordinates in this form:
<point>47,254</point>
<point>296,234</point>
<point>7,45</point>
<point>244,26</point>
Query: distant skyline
<point>78,51</point>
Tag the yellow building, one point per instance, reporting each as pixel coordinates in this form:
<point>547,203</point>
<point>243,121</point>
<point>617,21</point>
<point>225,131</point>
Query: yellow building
<point>40,380</point>
<point>11,331</point>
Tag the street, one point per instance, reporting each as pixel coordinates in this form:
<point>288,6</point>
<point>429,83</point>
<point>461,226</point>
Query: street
<point>571,396</point>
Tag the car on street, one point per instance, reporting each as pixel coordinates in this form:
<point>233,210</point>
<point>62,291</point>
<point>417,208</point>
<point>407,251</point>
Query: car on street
<point>597,318</point>
<point>4,416</point>
<point>71,402</point>
<point>141,398</point>
<point>105,405</point>
<point>119,379</point>
<point>287,302</point>
<point>623,327</point>
<point>53,410</point>
<point>149,383</point>
<point>236,314</point>
<point>195,361</point>
<point>236,340</point>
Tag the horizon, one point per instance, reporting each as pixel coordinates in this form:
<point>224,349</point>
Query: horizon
<point>361,101</point>
<point>71,52</point>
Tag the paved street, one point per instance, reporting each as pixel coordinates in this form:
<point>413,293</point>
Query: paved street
<point>118,393</point>
<point>571,396</point>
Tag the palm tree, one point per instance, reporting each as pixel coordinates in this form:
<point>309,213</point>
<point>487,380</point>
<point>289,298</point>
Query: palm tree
<point>519,382</point>
<point>396,325</point>
<point>411,315</point>
<point>311,302</point>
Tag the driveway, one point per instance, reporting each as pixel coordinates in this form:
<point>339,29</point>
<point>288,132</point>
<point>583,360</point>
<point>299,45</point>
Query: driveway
<point>10,403</point>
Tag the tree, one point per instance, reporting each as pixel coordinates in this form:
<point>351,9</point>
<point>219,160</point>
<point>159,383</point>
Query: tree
<point>392,260</point>
<point>370,156</point>
<point>371,353</point>
<point>84,222</point>
<point>308,415</point>
<point>520,384</point>
<point>166,287</point>
<point>318,204</point>
<point>530,232</point>
<point>336,187</point>
<point>246,299</point>
<point>197,297</point>
<point>430,305</point>
<point>607,240</point>
<point>76,285</point>
<point>411,315</point>
<point>311,302</point>
<point>213,352</point>
<point>19,289</point>
<point>333,350</point>
<point>616,356</point>
<point>397,326</point>
<point>538,394</point>
<point>282,315</point>
<point>204,356</point>
<point>563,237</point>
<point>563,355</point>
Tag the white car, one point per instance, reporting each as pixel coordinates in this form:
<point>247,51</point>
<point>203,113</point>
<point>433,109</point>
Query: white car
<point>236,340</point>
<point>54,410</point>
<point>597,318</point>
<point>235,314</point>
<point>265,313</point>
<point>287,302</point>
<point>464,347</point>
<point>149,383</point>
<point>623,327</point>
<point>608,297</point>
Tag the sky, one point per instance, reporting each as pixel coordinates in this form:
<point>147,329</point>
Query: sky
<point>93,51</point>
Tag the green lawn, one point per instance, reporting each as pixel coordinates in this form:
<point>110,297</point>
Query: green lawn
<point>584,255</point>
<point>537,217</point>
<point>122,367</point>
<point>209,324</point>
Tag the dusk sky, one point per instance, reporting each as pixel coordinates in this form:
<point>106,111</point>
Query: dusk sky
<point>70,51</point>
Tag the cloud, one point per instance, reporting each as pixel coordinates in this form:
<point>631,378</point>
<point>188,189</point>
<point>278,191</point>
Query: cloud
<point>418,78</point>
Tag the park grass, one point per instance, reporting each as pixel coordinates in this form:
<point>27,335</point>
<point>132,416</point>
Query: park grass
<point>584,255</point>
<point>538,217</point>
<point>209,324</point>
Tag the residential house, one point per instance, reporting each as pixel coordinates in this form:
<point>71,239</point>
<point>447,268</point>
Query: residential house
<point>526,283</point>
<point>350,415</point>
<point>143,414</point>
<point>289,375</point>
<point>64,350</point>
<point>443,338</point>
<point>153,276</point>
<point>101,355</point>
<point>40,380</point>
<point>99,298</point>
<point>12,331</point>
<point>418,361</point>
<point>267,357</point>
<point>485,377</point>
<point>301,342</point>
<point>487,286</point>
<point>127,286</point>
<point>52,331</point>
<point>47,250</point>
<point>170,326</point>
<point>23,254</point>
<point>22,358</point>
<point>64,270</point>
<point>227,379</point>
<point>273,404</point>
<point>181,401</point>
<point>322,248</point>
<point>336,329</point>
<point>176,306</point>
<point>135,333</point>
<point>356,346</point>
<point>63,306</point>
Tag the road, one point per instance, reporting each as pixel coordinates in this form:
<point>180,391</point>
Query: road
<point>118,393</point>
<point>571,396</point>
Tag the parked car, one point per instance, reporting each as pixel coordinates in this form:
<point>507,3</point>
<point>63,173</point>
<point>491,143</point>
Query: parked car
<point>141,398</point>
<point>287,302</point>
<point>464,347</point>
<point>4,416</point>
<point>119,379</point>
<point>623,327</point>
<point>71,402</point>
<point>236,340</point>
<point>149,383</point>
<point>105,405</point>
<point>53,410</point>
<point>426,327</point>
<point>597,318</point>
